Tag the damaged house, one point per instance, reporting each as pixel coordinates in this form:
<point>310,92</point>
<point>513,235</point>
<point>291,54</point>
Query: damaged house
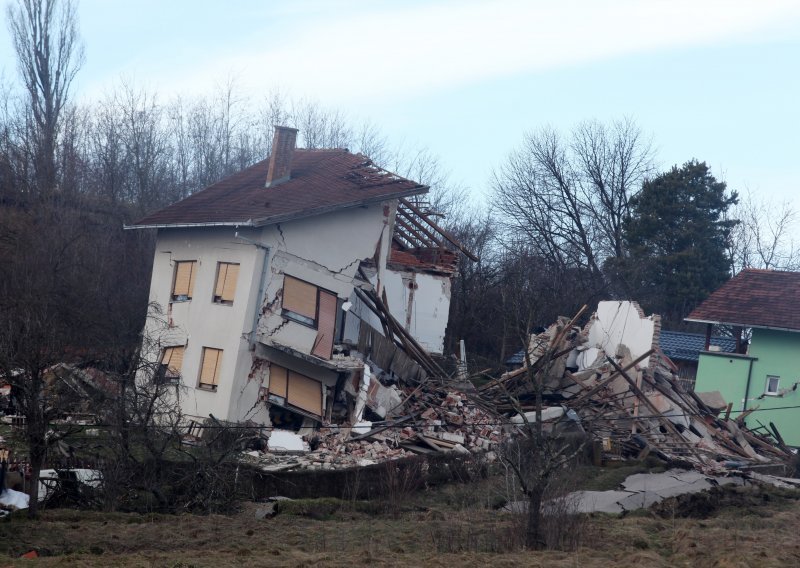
<point>300,290</point>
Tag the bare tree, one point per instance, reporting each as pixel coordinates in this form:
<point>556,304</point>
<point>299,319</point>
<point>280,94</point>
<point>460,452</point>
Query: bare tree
<point>536,458</point>
<point>568,197</point>
<point>763,238</point>
<point>49,55</point>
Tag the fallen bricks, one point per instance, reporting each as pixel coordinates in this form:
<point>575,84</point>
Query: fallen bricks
<point>440,421</point>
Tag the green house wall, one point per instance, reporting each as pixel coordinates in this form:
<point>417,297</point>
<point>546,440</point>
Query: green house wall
<point>771,353</point>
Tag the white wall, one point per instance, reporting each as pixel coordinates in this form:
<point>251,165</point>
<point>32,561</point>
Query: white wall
<point>325,251</point>
<point>622,323</point>
<point>199,322</point>
<point>421,303</point>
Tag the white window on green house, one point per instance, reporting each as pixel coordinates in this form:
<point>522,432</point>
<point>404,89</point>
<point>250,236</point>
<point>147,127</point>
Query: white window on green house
<point>772,384</point>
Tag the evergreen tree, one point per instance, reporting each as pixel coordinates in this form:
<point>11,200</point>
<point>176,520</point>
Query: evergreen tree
<point>676,237</point>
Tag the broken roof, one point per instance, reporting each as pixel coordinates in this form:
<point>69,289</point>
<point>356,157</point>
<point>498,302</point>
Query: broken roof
<point>767,299</point>
<point>322,181</point>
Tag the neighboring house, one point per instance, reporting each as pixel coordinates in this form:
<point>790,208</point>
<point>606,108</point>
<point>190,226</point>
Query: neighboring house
<point>276,283</point>
<point>766,376</point>
<point>684,349</point>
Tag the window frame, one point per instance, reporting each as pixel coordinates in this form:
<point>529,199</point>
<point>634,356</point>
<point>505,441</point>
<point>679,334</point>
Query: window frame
<point>220,299</point>
<point>291,397</point>
<point>163,375</point>
<point>301,318</point>
<point>776,391</point>
<point>209,386</point>
<point>173,297</point>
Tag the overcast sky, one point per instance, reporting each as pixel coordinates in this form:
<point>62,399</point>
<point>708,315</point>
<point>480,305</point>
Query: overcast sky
<point>714,80</point>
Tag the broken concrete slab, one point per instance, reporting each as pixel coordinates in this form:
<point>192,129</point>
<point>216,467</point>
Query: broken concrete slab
<point>713,400</point>
<point>599,501</point>
<point>642,490</point>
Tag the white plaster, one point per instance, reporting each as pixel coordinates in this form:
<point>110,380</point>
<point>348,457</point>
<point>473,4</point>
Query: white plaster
<point>286,441</point>
<point>429,308</point>
<point>619,323</point>
<point>325,251</point>
<point>199,322</point>
<point>361,399</point>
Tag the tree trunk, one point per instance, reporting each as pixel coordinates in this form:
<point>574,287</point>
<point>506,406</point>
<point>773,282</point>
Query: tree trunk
<point>36,455</point>
<point>534,536</point>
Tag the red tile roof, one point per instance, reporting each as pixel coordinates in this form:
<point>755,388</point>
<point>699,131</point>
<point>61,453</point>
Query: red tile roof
<point>322,181</point>
<point>754,298</point>
<point>438,260</point>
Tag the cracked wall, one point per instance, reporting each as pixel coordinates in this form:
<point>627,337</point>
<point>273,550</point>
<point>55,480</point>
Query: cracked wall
<point>325,251</point>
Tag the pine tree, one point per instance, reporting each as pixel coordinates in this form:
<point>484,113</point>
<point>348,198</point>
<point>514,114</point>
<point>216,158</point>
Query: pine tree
<point>677,237</point>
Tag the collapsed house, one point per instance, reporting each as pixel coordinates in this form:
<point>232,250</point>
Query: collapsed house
<point>302,291</point>
<point>611,378</point>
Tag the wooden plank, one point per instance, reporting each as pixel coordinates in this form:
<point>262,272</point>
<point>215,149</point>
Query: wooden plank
<point>667,424</point>
<point>439,230</point>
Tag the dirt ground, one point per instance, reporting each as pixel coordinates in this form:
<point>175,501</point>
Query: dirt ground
<point>455,526</point>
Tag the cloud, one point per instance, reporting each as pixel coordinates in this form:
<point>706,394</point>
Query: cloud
<point>365,51</point>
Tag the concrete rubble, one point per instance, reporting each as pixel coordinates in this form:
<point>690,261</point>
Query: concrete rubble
<point>611,378</point>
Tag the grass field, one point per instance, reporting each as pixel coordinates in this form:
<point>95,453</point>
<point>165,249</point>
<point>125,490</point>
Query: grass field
<point>451,526</point>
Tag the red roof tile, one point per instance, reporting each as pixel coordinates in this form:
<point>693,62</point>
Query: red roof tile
<point>754,298</point>
<point>322,180</point>
<point>429,260</point>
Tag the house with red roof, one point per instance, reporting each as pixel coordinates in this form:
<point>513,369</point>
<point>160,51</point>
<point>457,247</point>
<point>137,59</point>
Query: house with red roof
<point>296,291</point>
<point>759,377</point>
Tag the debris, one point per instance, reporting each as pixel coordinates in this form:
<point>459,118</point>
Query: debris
<point>14,500</point>
<point>285,441</point>
<point>627,395</point>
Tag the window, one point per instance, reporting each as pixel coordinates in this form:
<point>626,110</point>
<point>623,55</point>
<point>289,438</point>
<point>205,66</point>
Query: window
<point>183,282</point>
<point>286,386</point>
<point>209,368</point>
<point>314,307</point>
<point>772,384</point>
<point>225,288</point>
<point>171,363</point>
<point>300,301</point>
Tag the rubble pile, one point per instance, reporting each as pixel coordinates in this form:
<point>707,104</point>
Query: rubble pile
<point>438,420</point>
<point>612,378</point>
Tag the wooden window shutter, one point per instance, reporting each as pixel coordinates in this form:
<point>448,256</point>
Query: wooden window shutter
<point>227,277</point>
<point>300,297</point>
<point>209,371</point>
<point>305,393</point>
<point>278,380</point>
<point>323,345</point>
<point>222,272</point>
<point>231,278</point>
<point>184,278</point>
<point>173,359</point>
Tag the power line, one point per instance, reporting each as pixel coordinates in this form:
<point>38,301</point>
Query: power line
<point>465,423</point>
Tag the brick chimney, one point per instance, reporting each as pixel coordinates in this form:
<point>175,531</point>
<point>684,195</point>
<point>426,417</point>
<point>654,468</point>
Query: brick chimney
<point>280,162</point>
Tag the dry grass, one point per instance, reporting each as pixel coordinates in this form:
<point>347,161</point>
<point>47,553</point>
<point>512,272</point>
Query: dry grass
<point>754,528</point>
